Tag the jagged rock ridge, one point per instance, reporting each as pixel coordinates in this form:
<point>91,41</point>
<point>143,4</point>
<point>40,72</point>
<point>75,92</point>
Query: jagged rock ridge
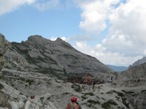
<point>135,72</point>
<point>138,62</point>
<point>38,54</point>
<point>133,77</point>
<point>24,88</point>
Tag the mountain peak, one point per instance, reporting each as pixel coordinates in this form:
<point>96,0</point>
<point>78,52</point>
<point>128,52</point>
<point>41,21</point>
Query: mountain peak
<point>38,54</point>
<point>63,43</point>
<point>59,39</point>
<point>38,39</point>
<point>34,37</point>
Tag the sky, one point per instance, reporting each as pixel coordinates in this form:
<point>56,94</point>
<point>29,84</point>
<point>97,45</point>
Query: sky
<point>113,31</point>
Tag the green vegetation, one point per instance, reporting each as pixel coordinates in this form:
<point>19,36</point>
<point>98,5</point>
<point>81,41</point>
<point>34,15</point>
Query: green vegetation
<point>84,97</point>
<point>122,95</point>
<point>77,88</point>
<point>59,86</point>
<point>64,70</point>
<point>143,91</point>
<point>1,77</point>
<point>118,93</point>
<point>51,71</point>
<point>131,93</point>
<point>89,93</point>
<point>107,105</point>
<point>66,93</point>
<point>125,102</point>
<point>29,81</point>
<point>1,86</point>
<point>22,79</point>
<point>93,102</point>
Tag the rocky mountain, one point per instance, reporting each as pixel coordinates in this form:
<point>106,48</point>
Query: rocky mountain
<point>32,74</point>
<point>136,72</point>
<point>38,91</point>
<point>57,58</point>
<point>135,76</point>
<point>138,62</point>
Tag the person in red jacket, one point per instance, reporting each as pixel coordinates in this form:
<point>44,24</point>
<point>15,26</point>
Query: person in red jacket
<point>74,104</point>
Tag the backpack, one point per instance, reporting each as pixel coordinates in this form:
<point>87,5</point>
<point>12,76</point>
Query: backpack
<point>73,106</point>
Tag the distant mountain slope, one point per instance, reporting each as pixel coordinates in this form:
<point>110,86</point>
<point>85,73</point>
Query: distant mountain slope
<point>138,62</point>
<point>20,88</point>
<point>117,68</point>
<point>138,71</point>
<point>57,58</point>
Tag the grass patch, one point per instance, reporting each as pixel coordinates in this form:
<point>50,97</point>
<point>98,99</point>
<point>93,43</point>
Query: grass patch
<point>131,93</point>
<point>143,91</point>
<point>125,102</point>
<point>86,94</point>
<point>84,97</point>
<point>118,93</point>
<point>29,81</point>
<point>1,86</point>
<point>90,93</point>
<point>2,77</point>
<point>59,86</point>
<point>93,102</point>
<point>107,105</point>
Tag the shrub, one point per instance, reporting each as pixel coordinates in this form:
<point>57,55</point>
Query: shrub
<point>93,102</point>
<point>125,102</point>
<point>90,93</point>
<point>30,81</point>
<point>118,93</point>
<point>107,105</point>
<point>129,93</point>
<point>1,86</point>
<point>143,91</point>
<point>84,97</point>
<point>1,77</point>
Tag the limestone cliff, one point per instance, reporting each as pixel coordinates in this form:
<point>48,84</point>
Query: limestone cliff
<point>58,58</point>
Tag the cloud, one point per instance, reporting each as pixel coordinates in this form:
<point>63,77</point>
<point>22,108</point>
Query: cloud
<point>10,5</point>
<point>42,5</point>
<point>46,4</point>
<point>94,14</point>
<point>125,23</point>
<point>53,38</point>
<point>107,57</point>
<point>128,22</point>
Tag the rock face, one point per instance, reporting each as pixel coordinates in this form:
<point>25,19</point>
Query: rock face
<point>3,49</point>
<point>140,100</point>
<point>58,58</point>
<point>135,72</point>
<point>27,80</point>
<point>134,77</point>
<point>138,62</point>
<point>35,93</point>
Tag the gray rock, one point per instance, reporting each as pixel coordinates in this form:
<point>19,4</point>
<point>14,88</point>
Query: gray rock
<point>57,58</point>
<point>3,48</point>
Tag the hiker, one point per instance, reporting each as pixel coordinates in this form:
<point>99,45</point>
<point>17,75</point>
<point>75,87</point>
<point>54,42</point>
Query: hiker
<point>74,104</point>
<point>77,99</point>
